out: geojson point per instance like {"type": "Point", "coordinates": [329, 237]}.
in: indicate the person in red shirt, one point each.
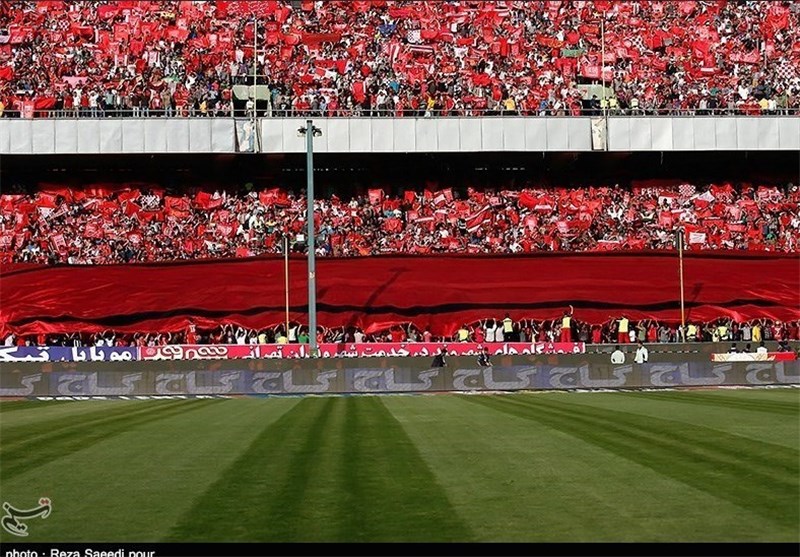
{"type": "Point", "coordinates": [794, 330]}
{"type": "Point", "coordinates": [68, 106]}
{"type": "Point", "coordinates": [652, 332]}
{"type": "Point", "coordinates": [84, 103]}
{"type": "Point", "coordinates": [191, 333]}
{"type": "Point", "coordinates": [426, 336]}
{"type": "Point", "coordinates": [397, 334]}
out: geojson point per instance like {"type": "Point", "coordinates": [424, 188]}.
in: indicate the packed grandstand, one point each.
{"type": "Point", "coordinates": [123, 223]}
{"type": "Point", "coordinates": [398, 58]}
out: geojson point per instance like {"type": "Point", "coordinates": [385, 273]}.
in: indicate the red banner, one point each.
{"type": "Point", "coordinates": [440, 292]}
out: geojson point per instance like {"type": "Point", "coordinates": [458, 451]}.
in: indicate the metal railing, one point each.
{"type": "Point", "coordinates": [97, 113]}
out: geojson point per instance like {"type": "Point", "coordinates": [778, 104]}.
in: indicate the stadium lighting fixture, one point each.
{"type": "Point", "coordinates": [312, 272]}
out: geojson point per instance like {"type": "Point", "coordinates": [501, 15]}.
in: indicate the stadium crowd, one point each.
{"type": "Point", "coordinates": [399, 58]}
{"type": "Point", "coordinates": [141, 223]}
{"type": "Point", "coordinates": [619, 330]}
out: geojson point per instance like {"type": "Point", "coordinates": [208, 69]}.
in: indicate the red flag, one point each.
{"type": "Point", "coordinates": [225, 230]}
{"type": "Point", "coordinates": [527, 200]}
{"type": "Point", "coordinates": [443, 196]}
{"type": "Point", "coordinates": [477, 219]}
{"type": "Point", "coordinates": [177, 206]}
{"type": "Point", "coordinates": [59, 243]}
{"type": "Point", "coordinates": [93, 230]}
{"type": "Point", "coordinates": [375, 196]}
{"type": "Point", "coordinates": [46, 200]}
{"type": "Point", "coordinates": [274, 196]}
{"type": "Point", "coordinates": [392, 225]}
{"type": "Point", "coordinates": [131, 209]}
{"type": "Point", "coordinates": [205, 200]}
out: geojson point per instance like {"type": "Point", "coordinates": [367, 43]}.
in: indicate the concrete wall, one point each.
{"type": "Point", "coordinates": [387, 135]}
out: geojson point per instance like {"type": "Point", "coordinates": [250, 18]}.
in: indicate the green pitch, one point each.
{"type": "Point", "coordinates": [665, 466]}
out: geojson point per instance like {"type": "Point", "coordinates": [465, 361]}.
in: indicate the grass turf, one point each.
{"type": "Point", "coordinates": [650, 466]}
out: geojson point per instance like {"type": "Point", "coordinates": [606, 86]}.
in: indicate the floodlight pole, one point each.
{"type": "Point", "coordinates": [680, 258]}
{"type": "Point", "coordinates": [286, 277]}
{"type": "Point", "coordinates": [310, 131]}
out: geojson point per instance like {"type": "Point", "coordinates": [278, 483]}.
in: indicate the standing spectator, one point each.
{"type": "Point", "coordinates": [483, 359]}
{"type": "Point", "coordinates": [622, 330]}
{"type": "Point", "coordinates": [566, 325]}
{"type": "Point", "coordinates": [439, 360]}
{"type": "Point", "coordinates": [642, 354]}
{"type": "Point", "coordinates": [508, 329]}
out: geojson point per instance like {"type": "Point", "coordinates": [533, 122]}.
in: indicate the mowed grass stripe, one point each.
{"type": "Point", "coordinates": [8, 406]}
{"type": "Point", "coordinates": [766, 427]}
{"type": "Point", "coordinates": [299, 481]}
{"type": "Point", "coordinates": [30, 415]}
{"type": "Point", "coordinates": [22, 454]}
{"type": "Point", "coordinates": [714, 399]}
{"type": "Point", "coordinates": [759, 477]}
{"type": "Point", "coordinates": [135, 486]}
{"type": "Point", "coordinates": [240, 505]}
{"type": "Point", "coordinates": [396, 496]}
{"type": "Point", "coordinates": [783, 461]}
{"type": "Point", "coordinates": [514, 479]}
{"type": "Point", "coordinates": [17, 429]}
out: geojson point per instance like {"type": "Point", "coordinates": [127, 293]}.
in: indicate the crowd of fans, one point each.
{"type": "Point", "coordinates": [115, 224]}
{"type": "Point", "coordinates": [564, 329]}
{"type": "Point", "coordinates": [343, 58]}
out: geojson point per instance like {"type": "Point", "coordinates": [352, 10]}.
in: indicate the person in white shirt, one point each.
{"type": "Point", "coordinates": [358, 336]}
{"type": "Point", "coordinates": [241, 335]}
{"type": "Point", "coordinates": [642, 354]}
{"type": "Point", "coordinates": [490, 331]}
{"type": "Point", "coordinates": [761, 348]}
{"type": "Point", "coordinates": [10, 340]}
{"type": "Point", "coordinates": [617, 356]}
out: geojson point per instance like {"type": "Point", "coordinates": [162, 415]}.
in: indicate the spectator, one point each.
{"type": "Point", "coordinates": [566, 325]}
{"type": "Point", "coordinates": [642, 355]}
{"type": "Point", "coordinates": [622, 330]}
{"type": "Point", "coordinates": [617, 356]}
{"type": "Point", "coordinates": [439, 360]}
